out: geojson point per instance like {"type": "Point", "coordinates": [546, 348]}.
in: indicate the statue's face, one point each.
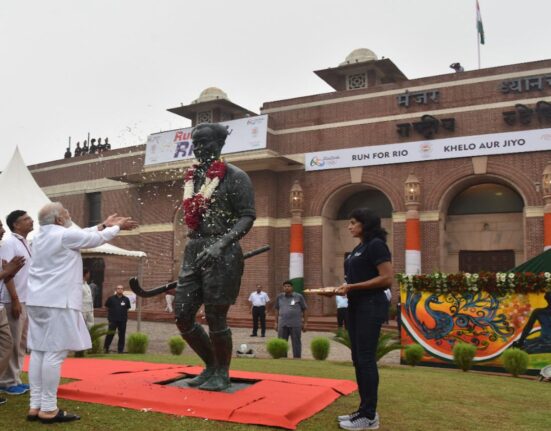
{"type": "Point", "coordinates": [205, 146]}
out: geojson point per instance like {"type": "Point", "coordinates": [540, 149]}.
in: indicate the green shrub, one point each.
{"type": "Point", "coordinates": [137, 343]}
{"type": "Point", "coordinates": [413, 354]}
{"type": "Point", "coordinates": [515, 361]}
{"type": "Point", "coordinates": [320, 348]}
{"type": "Point", "coordinates": [277, 348]}
{"type": "Point", "coordinates": [176, 345]}
{"type": "Point", "coordinates": [342, 337]}
{"type": "Point", "coordinates": [97, 332]}
{"type": "Point", "coordinates": [386, 343]}
{"type": "Point", "coordinates": [463, 355]}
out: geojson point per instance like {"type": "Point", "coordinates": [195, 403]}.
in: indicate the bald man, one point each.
{"type": "Point", "coordinates": [54, 302]}
{"type": "Point", "coordinates": [117, 314]}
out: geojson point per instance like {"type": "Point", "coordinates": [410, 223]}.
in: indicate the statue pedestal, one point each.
{"type": "Point", "coordinates": [236, 385]}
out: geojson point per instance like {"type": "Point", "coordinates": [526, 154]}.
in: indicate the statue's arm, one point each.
{"type": "Point", "coordinates": [242, 200]}
{"type": "Point", "coordinates": [238, 231]}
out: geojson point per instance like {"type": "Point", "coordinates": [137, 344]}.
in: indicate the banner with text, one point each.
{"type": "Point", "coordinates": [464, 146]}
{"type": "Point", "coordinates": [246, 134]}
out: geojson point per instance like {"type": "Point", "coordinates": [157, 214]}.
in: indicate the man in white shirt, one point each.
{"type": "Point", "coordinates": [14, 298]}
{"type": "Point", "coordinates": [258, 300]}
{"type": "Point", "coordinates": [87, 300]}
{"type": "Point", "coordinates": [56, 325]}
{"type": "Point", "coordinates": [7, 271]}
{"type": "Point", "coordinates": [342, 311]}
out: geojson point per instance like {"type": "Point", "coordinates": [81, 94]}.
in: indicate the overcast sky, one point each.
{"type": "Point", "coordinates": [113, 67]}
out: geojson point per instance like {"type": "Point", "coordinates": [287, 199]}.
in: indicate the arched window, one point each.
{"type": "Point", "coordinates": [372, 199]}
{"type": "Point", "coordinates": [486, 198]}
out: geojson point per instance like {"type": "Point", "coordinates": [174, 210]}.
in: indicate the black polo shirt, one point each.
{"type": "Point", "coordinates": [117, 308]}
{"type": "Point", "coordinates": [361, 265]}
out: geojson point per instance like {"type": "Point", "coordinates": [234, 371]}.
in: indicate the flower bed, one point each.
{"type": "Point", "coordinates": [497, 283]}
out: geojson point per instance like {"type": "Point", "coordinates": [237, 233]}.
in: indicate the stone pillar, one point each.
{"type": "Point", "coordinates": [296, 259]}
{"type": "Point", "coordinates": [413, 226]}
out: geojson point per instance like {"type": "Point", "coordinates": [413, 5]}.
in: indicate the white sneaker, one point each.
{"type": "Point", "coordinates": [348, 417]}
{"type": "Point", "coordinates": [359, 423]}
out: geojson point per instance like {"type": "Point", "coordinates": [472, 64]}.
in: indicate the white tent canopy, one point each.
{"type": "Point", "coordinates": [20, 191]}
{"type": "Point", "coordinates": [112, 249]}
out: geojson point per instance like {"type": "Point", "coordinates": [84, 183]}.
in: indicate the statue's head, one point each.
{"type": "Point", "coordinates": [208, 140]}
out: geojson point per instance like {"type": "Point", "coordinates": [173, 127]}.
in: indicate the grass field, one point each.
{"type": "Point", "coordinates": [410, 399]}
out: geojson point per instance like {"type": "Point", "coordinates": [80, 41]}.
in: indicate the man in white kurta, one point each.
{"type": "Point", "coordinates": [87, 300]}
{"type": "Point", "coordinates": [54, 302]}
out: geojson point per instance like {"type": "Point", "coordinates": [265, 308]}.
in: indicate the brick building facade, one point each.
{"type": "Point", "coordinates": [367, 108]}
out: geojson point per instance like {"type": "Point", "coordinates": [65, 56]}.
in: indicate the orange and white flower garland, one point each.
{"type": "Point", "coordinates": [196, 204]}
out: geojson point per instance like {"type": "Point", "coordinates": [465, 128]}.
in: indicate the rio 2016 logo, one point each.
{"type": "Point", "coordinates": [316, 161]}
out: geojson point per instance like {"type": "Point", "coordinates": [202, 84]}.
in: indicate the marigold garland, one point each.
{"type": "Point", "coordinates": [196, 204]}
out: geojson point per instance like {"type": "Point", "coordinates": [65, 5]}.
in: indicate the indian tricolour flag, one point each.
{"type": "Point", "coordinates": [479, 25]}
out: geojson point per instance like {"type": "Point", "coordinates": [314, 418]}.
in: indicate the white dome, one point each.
{"type": "Point", "coordinates": [359, 56]}
{"type": "Point", "coordinates": [211, 93]}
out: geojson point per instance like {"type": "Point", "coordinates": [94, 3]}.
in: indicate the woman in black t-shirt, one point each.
{"type": "Point", "coordinates": [368, 273]}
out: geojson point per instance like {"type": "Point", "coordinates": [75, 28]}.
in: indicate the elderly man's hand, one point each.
{"type": "Point", "coordinates": [126, 223]}
{"type": "Point", "coordinates": [111, 220]}
{"type": "Point", "coordinates": [13, 265]}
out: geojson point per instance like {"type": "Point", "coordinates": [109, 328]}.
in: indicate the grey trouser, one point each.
{"type": "Point", "coordinates": [6, 344]}
{"type": "Point", "coordinates": [18, 328]}
{"type": "Point", "coordinates": [295, 332]}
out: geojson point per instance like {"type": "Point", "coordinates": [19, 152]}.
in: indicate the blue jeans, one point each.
{"type": "Point", "coordinates": [365, 317]}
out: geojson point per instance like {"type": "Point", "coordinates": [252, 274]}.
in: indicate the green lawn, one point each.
{"type": "Point", "coordinates": [539, 360]}
{"type": "Point", "coordinates": [410, 399]}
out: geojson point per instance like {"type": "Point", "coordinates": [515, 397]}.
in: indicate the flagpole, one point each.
{"type": "Point", "coordinates": [478, 47]}
{"type": "Point", "coordinates": [477, 33]}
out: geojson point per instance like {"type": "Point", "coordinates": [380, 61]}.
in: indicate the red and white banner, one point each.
{"type": "Point", "coordinates": [246, 134]}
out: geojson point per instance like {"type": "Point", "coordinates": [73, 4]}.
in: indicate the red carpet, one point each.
{"type": "Point", "coordinates": [275, 400]}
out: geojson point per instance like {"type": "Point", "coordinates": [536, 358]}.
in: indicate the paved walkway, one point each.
{"type": "Point", "coordinates": [160, 332]}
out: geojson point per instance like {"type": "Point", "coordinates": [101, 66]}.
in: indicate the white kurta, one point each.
{"type": "Point", "coordinates": [55, 287]}
{"type": "Point", "coordinates": [87, 299]}
{"type": "Point", "coordinates": [57, 329]}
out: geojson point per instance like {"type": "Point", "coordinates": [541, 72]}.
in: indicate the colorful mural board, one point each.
{"type": "Point", "coordinates": [489, 322]}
